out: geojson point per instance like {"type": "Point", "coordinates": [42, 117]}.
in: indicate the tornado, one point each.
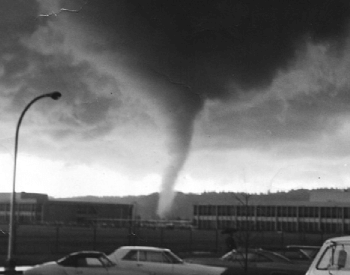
{"type": "Point", "coordinates": [180, 131]}
{"type": "Point", "coordinates": [212, 50]}
{"type": "Point", "coordinates": [178, 158]}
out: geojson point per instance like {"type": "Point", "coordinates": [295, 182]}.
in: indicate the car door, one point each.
{"type": "Point", "coordinates": [131, 260]}
{"type": "Point", "coordinates": [150, 261]}
{"type": "Point", "coordinates": [154, 263]}
{"type": "Point", "coordinates": [178, 267]}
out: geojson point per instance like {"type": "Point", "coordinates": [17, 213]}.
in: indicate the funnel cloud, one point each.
{"type": "Point", "coordinates": [218, 50]}
{"type": "Point", "coordinates": [260, 66]}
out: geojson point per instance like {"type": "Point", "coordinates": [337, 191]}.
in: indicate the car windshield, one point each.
{"type": "Point", "coordinates": [67, 261]}
{"type": "Point", "coordinates": [301, 252]}
{"type": "Point", "coordinates": [335, 257]}
{"type": "Point", "coordinates": [277, 257]}
{"type": "Point", "coordinates": [106, 262]}
{"type": "Point", "coordinates": [310, 252]}
{"type": "Point", "coordinates": [85, 260]}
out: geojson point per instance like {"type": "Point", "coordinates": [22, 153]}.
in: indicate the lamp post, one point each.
{"type": "Point", "coordinates": [10, 262]}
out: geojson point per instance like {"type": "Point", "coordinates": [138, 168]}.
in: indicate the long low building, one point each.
{"type": "Point", "coordinates": [326, 211]}
{"type": "Point", "coordinates": [39, 208]}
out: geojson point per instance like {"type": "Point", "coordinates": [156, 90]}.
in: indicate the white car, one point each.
{"type": "Point", "coordinates": [82, 263]}
{"type": "Point", "coordinates": [158, 261]}
{"type": "Point", "coordinates": [333, 258]}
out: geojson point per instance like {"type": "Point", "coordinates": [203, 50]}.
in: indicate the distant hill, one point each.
{"type": "Point", "coordinates": [146, 206]}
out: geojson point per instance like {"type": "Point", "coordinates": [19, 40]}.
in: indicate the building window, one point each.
{"type": "Point", "coordinates": [195, 210]}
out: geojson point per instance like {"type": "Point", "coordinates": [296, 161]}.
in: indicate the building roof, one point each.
{"type": "Point", "coordinates": [286, 203]}
{"type": "Point", "coordinates": [24, 197]}
{"type": "Point", "coordinates": [62, 201]}
{"type": "Point", "coordinates": [317, 198]}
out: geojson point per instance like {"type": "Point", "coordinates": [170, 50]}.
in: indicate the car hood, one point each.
{"type": "Point", "coordinates": [48, 268]}
{"type": "Point", "coordinates": [47, 264]}
{"type": "Point", "coordinates": [206, 261]}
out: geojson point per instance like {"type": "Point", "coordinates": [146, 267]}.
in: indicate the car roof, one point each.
{"type": "Point", "coordinates": [345, 239]}
{"type": "Point", "coordinates": [87, 253]}
{"type": "Point", "coordinates": [303, 246]}
{"type": "Point", "coordinates": [251, 250]}
{"type": "Point", "coordinates": [151, 248]}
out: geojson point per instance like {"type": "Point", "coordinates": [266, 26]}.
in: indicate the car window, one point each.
{"type": "Point", "coordinates": [81, 262]}
{"type": "Point", "coordinates": [166, 258]}
{"type": "Point", "coordinates": [236, 256]}
{"type": "Point", "coordinates": [329, 259]}
{"type": "Point", "coordinates": [311, 253]}
{"type": "Point", "coordinates": [230, 256]}
{"type": "Point", "coordinates": [251, 256]}
{"type": "Point", "coordinates": [89, 262]}
{"type": "Point", "coordinates": [261, 258]}
{"type": "Point", "coordinates": [142, 256]}
{"type": "Point", "coordinates": [154, 256]}
{"type": "Point", "coordinates": [172, 258]}
{"type": "Point", "coordinates": [275, 257]}
{"type": "Point", "coordinates": [68, 261]}
{"type": "Point", "coordinates": [296, 255]}
{"type": "Point", "coordinates": [242, 256]}
{"type": "Point", "coordinates": [93, 262]}
{"type": "Point", "coordinates": [131, 256]}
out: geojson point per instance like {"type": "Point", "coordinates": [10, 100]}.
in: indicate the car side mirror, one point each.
{"type": "Point", "coordinates": [342, 257]}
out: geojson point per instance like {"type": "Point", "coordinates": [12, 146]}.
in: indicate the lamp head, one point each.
{"type": "Point", "coordinates": [55, 95]}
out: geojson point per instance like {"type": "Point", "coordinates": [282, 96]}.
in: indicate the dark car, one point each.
{"type": "Point", "coordinates": [255, 262]}
{"type": "Point", "coordinates": [82, 262]}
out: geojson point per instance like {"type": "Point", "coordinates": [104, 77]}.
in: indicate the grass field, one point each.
{"type": "Point", "coordinates": [37, 243]}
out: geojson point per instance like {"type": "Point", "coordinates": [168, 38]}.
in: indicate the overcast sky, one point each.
{"type": "Point", "coordinates": [183, 95]}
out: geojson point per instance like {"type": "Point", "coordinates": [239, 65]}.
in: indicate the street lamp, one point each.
{"type": "Point", "coordinates": [10, 264]}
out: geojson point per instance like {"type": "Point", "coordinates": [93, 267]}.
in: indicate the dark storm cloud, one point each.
{"type": "Point", "coordinates": [28, 71]}
{"type": "Point", "coordinates": [17, 20]}
{"type": "Point", "coordinates": [261, 125]}
{"type": "Point", "coordinates": [80, 83]}
{"type": "Point", "coordinates": [190, 52]}
{"type": "Point", "coordinates": [214, 50]}
{"type": "Point", "coordinates": [201, 48]}
{"type": "Point", "coordinates": [205, 44]}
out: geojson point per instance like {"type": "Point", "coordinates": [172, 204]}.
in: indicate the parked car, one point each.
{"type": "Point", "coordinates": [333, 258]}
{"type": "Point", "coordinates": [158, 261]}
{"type": "Point", "coordinates": [255, 261]}
{"type": "Point", "coordinates": [83, 263]}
